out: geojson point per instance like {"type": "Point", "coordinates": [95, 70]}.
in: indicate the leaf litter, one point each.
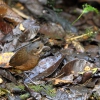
{"type": "Point", "coordinates": [68, 64]}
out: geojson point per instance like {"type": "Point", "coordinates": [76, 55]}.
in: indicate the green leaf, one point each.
{"type": "Point", "coordinates": [87, 8]}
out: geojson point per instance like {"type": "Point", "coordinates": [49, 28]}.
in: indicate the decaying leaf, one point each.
{"type": "Point", "coordinates": [60, 81]}
{"type": "Point", "coordinates": [5, 27]}
{"type": "Point", "coordinates": [5, 58]}
{"type": "Point", "coordinates": [92, 50]}
{"type": "Point", "coordinates": [26, 30]}
{"type": "Point", "coordinates": [7, 13]}
{"type": "Point", "coordinates": [52, 30]}
{"type": "Point", "coordinates": [7, 75]}
{"type": "Point", "coordinates": [64, 80]}
{"type": "Point", "coordinates": [77, 75]}
{"type": "Point", "coordinates": [49, 71]}
{"type": "Point", "coordinates": [76, 67]}
{"type": "Point", "coordinates": [34, 6]}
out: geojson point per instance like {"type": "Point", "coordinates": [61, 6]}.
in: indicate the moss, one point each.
{"type": "Point", "coordinates": [47, 89]}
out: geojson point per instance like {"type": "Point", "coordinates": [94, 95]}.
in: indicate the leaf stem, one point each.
{"type": "Point", "coordinates": [78, 18]}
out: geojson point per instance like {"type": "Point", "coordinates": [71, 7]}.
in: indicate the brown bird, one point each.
{"type": "Point", "coordinates": [27, 57]}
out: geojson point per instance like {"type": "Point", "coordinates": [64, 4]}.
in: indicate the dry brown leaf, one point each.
{"type": "Point", "coordinates": [61, 81]}
{"type": "Point", "coordinates": [7, 13]}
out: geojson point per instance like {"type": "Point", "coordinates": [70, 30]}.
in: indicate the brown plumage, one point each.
{"type": "Point", "coordinates": [27, 57]}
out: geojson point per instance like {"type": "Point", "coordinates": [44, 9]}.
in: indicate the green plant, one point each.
{"type": "Point", "coordinates": [47, 89]}
{"type": "Point", "coordinates": [86, 8]}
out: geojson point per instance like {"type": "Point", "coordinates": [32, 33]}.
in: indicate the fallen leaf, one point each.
{"type": "Point", "coordinates": [49, 71]}
{"type": "Point", "coordinates": [7, 13]}
{"type": "Point", "coordinates": [5, 58]}
{"type": "Point", "coordinates": [6, 74]}
{"type": "Point", "coordinates": [77, 67]}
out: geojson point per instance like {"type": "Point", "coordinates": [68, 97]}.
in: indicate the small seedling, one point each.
{"type": "Point", "coordinates": [86, 8]}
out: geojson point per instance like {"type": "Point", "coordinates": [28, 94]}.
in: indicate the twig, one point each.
{"type": "Point", "coordinates": [20, 13]}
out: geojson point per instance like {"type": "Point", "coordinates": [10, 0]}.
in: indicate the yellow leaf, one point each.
{"type": "Point", "coordinates": [4, 59]}
{"type": "Point", "coordinates": [94, 70]}
{"type": "Point", "coordinates": [87, 68]}
{"type": "Point", "coordinates": [21, 27]}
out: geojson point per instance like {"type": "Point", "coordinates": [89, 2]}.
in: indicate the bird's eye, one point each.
{"type": "Point", "coordinates": [37, 47]}
{"type": "Point", "coordinates": [46, 12]}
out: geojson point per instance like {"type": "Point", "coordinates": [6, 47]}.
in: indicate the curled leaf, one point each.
{"type": "Point", "coordinates": [7, 13]}
{"type": "Point", "coordinates": [49, 71]}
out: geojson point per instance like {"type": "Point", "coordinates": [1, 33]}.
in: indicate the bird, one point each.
{"type": "Point", "coordinates": [27, 57]}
